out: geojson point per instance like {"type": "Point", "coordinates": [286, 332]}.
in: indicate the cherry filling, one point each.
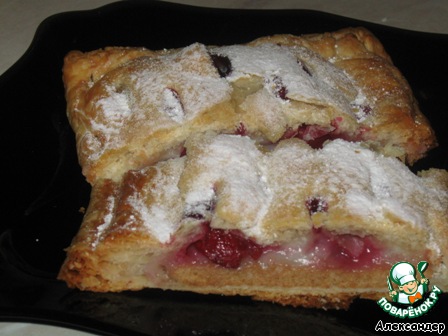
{"type": "Point", "coordinates": [227, 248]}
{"type": "Point", "coordinates": [279, 88]}
{"type": "Point", "coordinates": [316, 204]}
{"type": "Point", "coordinates": [343, 250]}
{"type": "Point", "coordinates": [316, 135]}
{"type": "Point", "coordinates": [323, 249]}
{"type": "Point", "coordinates": [241, 129]}
{"type": "Point", "coordinates": [183, 151]}
{"type": "Point", "coordinates": [363, 111]}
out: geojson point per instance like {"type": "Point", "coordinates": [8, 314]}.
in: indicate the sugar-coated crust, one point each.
{"type": "Point", "coordinates": [136, 230]}
{"type": "Point", "coordinates": [363, 56]}
{"type": "Point", "coordinates": [119, 126]}
{"type": "Point", "coordinates": [282, 149]}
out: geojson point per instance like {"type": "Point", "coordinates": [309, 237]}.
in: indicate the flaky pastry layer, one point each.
{"type": "Point", "coordinates": [281, 223]}
{"type": "Point", "coordinates": [132, 107]}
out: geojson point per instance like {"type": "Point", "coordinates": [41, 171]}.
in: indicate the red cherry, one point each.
{"type": "Point", "coordinates": [351, 245]}
{"type": "Point", "coordinates": [279, 88]}
{"type": "Point", "coordinates": [241, 129]}
{"type": "Point", "coordinates": [202, 210]}
{"type": "Point", "coordinates": [222, 64]}
{"type": "Point", "coordinates": [183, 151]}
{"type": "Point", "coordinates": [227, 247]}
{"type": "Point", "coordinates": [343, 250]}
{"type": "Point", "coordinates": [316, 204]}
{"type": "Point", "coordinates": [365, 110]}
{"type": "Point", "coordinates": [316, 135]}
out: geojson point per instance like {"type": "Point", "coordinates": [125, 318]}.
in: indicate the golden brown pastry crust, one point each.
{"type": "Point", "coordinates": [178, 142]}
{"type": "Point", "coordinates": [136, 230]}
{"type": "Point", "coordinates": [351, 64]}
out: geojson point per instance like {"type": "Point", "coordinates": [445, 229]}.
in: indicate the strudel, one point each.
{"type": "Point", "coordinates": [133, 107]}
{"type": "Point", "coordinates": [288, 223]}
{"type": "Point", "coordinates": [275, 169]}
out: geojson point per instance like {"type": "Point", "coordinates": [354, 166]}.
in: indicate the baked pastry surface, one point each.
{"type": "Point", "coordinates": [132, 107]}
{"type": "Point", "coordinates": [274, 169]}
{"type": "Point", "coordinates": [290, 224]}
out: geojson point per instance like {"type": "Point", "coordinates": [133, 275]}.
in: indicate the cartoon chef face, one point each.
{"type": "Point", "coordinates": [403, 274]}
{"type": "Point", "coordinates": [409, 288]}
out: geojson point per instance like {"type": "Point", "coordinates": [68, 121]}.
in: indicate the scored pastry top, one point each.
{"type": "Point", "coordinates": [272, 195]}
{"type": "Point", "coordinates": [132, 107]}
{"type": "Point", "coordinates": [275, 169]}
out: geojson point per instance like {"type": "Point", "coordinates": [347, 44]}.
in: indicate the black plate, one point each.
{"type": "Point", "coordinates": [44, 188]}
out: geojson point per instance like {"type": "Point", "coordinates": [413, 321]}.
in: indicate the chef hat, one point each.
{"type": "Point", "coordinates": [402, 273]}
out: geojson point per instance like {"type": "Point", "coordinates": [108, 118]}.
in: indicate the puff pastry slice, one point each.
{"type": "Point", "coordinates": [287, 223]}
{"type": "Point", "coordinates": [132, 107]}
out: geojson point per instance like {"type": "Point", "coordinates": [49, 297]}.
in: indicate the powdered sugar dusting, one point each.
{"type": "Point", "coordinates": [323, 84]}
{"type": "Point", "coordinates": [190, 74]}
{"type": "Point", "coordinates": [240, 186]}
{"type": "Point", "coordinates": [343, 175]}
{"type": "Point", "coordinates": [385, 184]}
{"type": "Point", "coordinates": [114, 109]}
{"type": "Point", "coordinates": [176, 87]}
{"type": "Point", "coordinates": [362, 107]}
{"type": "Point", "coordinates": [101, 229]}
{"type": "Point", "coordinates": [159, 207]}
{"type": "Point", "coordinates": [172, 105]}
{"type": "Point", "coordinates": [228, 176]}
{"type": "Point", "coordinates": [229, 168]}
{"type": "Point", "coordinates": [158, 92]}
